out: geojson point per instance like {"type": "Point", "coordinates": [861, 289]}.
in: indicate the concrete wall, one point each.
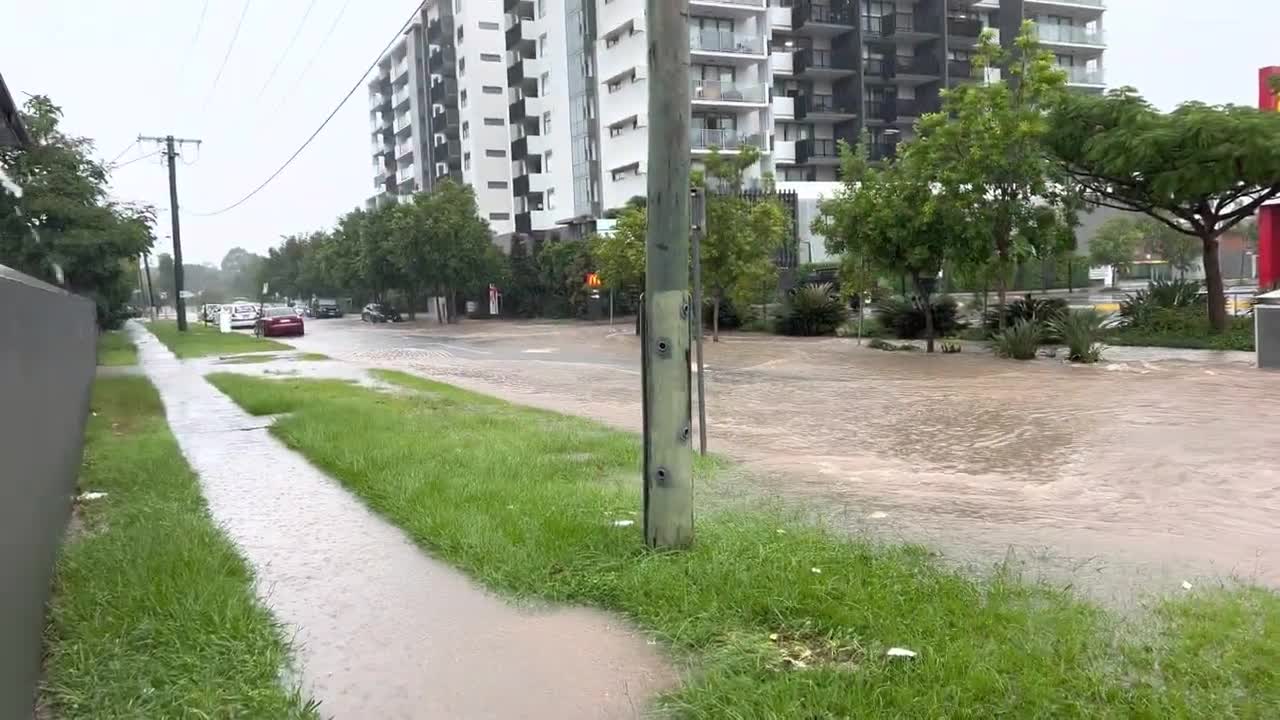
{"type": "Point", "coordinates": [47, 359]}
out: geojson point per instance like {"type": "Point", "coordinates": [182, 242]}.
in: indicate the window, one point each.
{"type": "Point", "coordinates": [492, 90]}
{"type": "Point", "coordinates": [795, 131]}
{"type": "Point", "coordinates": [497, 184]}
{"type": "Point", "coordinates": [546, 123]}
{"type": "Point", "coordinates": [711, 23]}
{"type": "Point", "coordinates": [466, 130]}
{"type": "Point", "coordinates": [542, 45]}
{"type": "Point", "coordinates": [546, 161]}
{"type": "Point", "coordinates": [611, 40]}
{"type": "Point", "coordinates": [499, 216]}
{"type": "Point", "coordinates": [494, 122]}
{"type": "Point", "coordinates": [462, 66]}
{"type": "Point", "coordinates": [490, 26]}
{"type": "Point", "coordinates": [462, 98]}
{"type": "Point", "coordinates": [542, 8]}
{"type": "Point", "coordinates": [495, 153]}
{"type": "Point", "coordinates": [543, 82]}
{"type": "Point", "coordinates": [466, 161]}
{"type": "Point", "coordinates": [490, 57]}
{"type": "Point", "coordinates": [549, 199]}
{"type": "Point", "coordinates": [459, 33]}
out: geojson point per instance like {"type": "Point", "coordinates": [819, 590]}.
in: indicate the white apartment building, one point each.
{"type": "Point", "coordinates": [541, 105]}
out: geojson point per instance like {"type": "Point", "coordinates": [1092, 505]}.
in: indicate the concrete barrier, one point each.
{"type": "Point", "coordinates": [47, 358]}
{"type": "Point", "coordinates": [1266, 333]}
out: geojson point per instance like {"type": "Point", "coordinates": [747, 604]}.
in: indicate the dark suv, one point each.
{"type": "Point", "coordinates": [379, 312]}
{"type": "Point", "coordinates": [325, 308]}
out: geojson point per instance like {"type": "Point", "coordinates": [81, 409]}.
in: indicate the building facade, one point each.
{"type": "Point", "coordinates": [541, 105]}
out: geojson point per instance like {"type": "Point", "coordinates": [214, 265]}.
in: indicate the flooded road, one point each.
{"type": "Point", "coordinates": [1123, 478]}
{"type": "Point", "coordinates": [381, 629]}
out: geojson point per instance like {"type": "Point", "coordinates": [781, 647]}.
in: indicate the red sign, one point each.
{"type": "Point", "coordinates": [1268, 215]}
{"type": "Point", "coordinates": [593, 280]}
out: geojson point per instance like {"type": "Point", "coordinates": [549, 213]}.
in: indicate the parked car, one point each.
{"type": "Point", "coordinates": [243, 315]}
{"type": "Point", "coordinates": [278, 321]}
{"type": "Point", "coordinates": [325, 308]}
{"type": "Point", "coordinates": [297, 310]}
{"type": "Point", "coordinates": [379, 312]}
{"type": "Point", "coordinates": [209, 313]}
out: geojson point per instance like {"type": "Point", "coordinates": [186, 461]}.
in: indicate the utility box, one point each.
{"type": "Point", "coordinates": [1266, 330]}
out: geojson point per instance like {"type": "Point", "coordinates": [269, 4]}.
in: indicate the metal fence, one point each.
{"type": "Point", "coordinates": [47, 348]}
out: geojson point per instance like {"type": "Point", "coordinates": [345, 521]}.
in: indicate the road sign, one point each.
{"type": "Point", "coordinates": [593, 280]}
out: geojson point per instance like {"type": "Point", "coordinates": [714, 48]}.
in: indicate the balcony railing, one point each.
{"type": "Point", "coordinates": [401, 96]}
{"type": "Point", "coordinates": [725, 41]}
{"type": "Point", "coordinates": [1071, 34]}
{"type": "Point", "coordinates": [404, 148]}
{"type": "Point", "coordinates": [968, 27]}
{"type": "Point", "coordinates": [877, 68]}
{"type": "Point", "coordinates": [1083, 76]}
{"type": "Point", "coordinates": [377, 100]}
{"type": "Point", "coordinates": [443, 61]}
{"type": "Point", "coordinates": [899, 23]}
{"type": "Point", "coordinates": [882, 151]}
{"type": "Point", "coordinates": [812, 104]}
{"type": "Point", "coordinates": [811, 59]}
{"type": "Point", "coordinates": [722, 91]}
{"type": "Point", "coordinates": [402, 122]}
{"type": "Point", "coordinates": [804, 12]}
{"type": "Point", "coordinates": [748, 3]}
{"type": "Point", "coordinates": [810, 149]}
{"type": "Point", "coordinates": [723, 138]}
{"type": "Point", "coordinates": [916, 65]}
{"type": "Point", "coordinates": [1090, 3]}
{"type": "Point", "coordinates": [443, 91]}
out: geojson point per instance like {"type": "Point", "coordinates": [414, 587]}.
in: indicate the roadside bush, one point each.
{"type": "Point", "coordinates": [1019, 341]}
{"type": "Point", "coordinates": [1037, 310]}
{"type": "Point", "coordinates": [812, 310]}
{"type": "Point", "coordinates": [1081, 330]}
{"type": "Point", "coordinates": [905, 318]}
{"type": "Point", "coordinates": [1185, 327]}
{"type": "Point", "coordinates": [1138, 308]}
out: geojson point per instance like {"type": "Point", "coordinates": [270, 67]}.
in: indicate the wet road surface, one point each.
{"type": "Point", "coordinates": [382, 630]}
{"type": "Point", "coordinates": [1122, 478]}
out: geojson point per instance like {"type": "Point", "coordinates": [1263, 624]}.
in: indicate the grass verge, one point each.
{"type": "Point", "coordinates": [153, 615]}
{"type": "Point", "coordinates": [115, 348]}
{"type": "Point", "coordinates": [1236, 337]}
{"type": "Point", "coordinates": [779, 619]}
{"type": "Point", "coordinates": [200, 340]}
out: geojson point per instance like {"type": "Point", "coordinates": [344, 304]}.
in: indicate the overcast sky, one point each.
{"type": "Point", "coordinates": [120, 68]}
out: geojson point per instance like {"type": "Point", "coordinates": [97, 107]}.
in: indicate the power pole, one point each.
{"type": "Point", "coordinates": [171, 154]}
{"type": "Point", "coordinates": [698, 198]}
{"type": "Point", "coordinates": [668, 455]}
{"type": "Point", "coordinates": [151, 291]}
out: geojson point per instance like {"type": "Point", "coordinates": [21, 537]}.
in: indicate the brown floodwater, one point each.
{"type": "Point", "coordinates": [1123, 478]}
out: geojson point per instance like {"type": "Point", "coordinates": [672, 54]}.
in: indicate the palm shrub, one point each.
{"type": "Point", "coordinates": [1081, 330]}
{"type": "Point", "coordinates": [905, 318]}
{"type": "Point", "coordinates": [1019, 341]}
{"type": "Point", "coordinates": [1038, 310]}
{"type": "Point", "coordinates": [1138, 309]}
{"type": "Point", "coordinates": [812, 310]}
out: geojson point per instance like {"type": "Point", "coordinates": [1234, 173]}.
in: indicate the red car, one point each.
{"type": "Point", "coordinates": [278, 321]}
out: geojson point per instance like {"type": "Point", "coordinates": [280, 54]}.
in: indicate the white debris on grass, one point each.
{"type": "Point", "coordinates": [900, 652]}
{"type": "Point", "coordinates": [1186, 585]}
{"type": "Point", "coordinates": [623, 523]}
{"type": "Point", "coordinates": [91, 496]}
{"type": "Point", "coordinates": [816, 571]}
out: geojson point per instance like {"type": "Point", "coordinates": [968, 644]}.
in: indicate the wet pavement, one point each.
{"type": "Point", "coordinates": [382, 630]}
{"type": "Point", "coordinates": [1124, 478]}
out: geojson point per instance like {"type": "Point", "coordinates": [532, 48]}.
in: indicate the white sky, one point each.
{"type": "Point", "coordinates": [120, 68]}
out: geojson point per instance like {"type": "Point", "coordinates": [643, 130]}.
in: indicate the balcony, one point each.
{"type": "Point", "coordinates": [877, 70]}
{"type": "Point", "coordinates": [444, 92]}
{"type": "Point", "coordinates": [449, 152]}
{"type": "Point", "coordinates": [882, 152]}
{"type": "Point", "coordinates": [400, 70]}
{"type": "Point", "coordinates": [524, 222]}
{"type": "Point", "coordinates": [725, 41]}
{"type": "Point", "coordinates": [446, 122]}
{"type": "Point", "coordinates": [443, 61]}
{"type": "Point", "coordinates": [783, 63]}
{"type": "Point", "coordinates": [959, 71]}
{"type": "Point", "coordinates": [522, 35]}
{"type": "Point", "coordinates": [893, 110]}
{"type": "Point", "coordinates": [517, 111]}
{"type": "Point", "coordinates": [755, 4]}
{"type": "Point", "coordinates": [404, 149]}
{"type": "Point", "coordinates": [440, 30]}
{"type": "Point", "coordinates": [400, 99]}
{"type": "Point", "coordinates": [784, 107]}
{"type": "Point", "coordinates": [916, 70]}
{"type": "Point", "coordinates": [817, 151]}
{"type": "Point", "coordinates": [823, 63]}
{"type": "Point", "coordinates": [1084, 76]}
{"type": "Point", "coordinates": [402, 123]}
{"type": "Point", "coordinates": [730, 93]}
{"type": "Point", "coordinates": [704, 139]}
{"type": "Point", "coordinates": [522, 8]}
{"type": "Point", "coordinates": [377, 101]}
{"type": "Point", "coordinates": [819, 18]}
{"type": "Point", "coordinates": [1070, 35]}
{"type": "Point", "coordinates": [964, 30]}
{"type": "Point", "coordinates": [905, 27]}
{"type": "Point", "coordinates": [813, 106]}
{"type": "Point", "coordinates": [784, 152]}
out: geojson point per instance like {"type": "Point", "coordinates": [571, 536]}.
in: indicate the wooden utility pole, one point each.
{"type": "Point", "coordinates": [171, 154]}
{"type": "Point", "coordinates": [698, 199]}
{"type": "Point", "coordinates": [668, 456]}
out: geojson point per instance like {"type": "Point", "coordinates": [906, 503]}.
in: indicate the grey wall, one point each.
{"type": "Point", "coordinates": [47, 359]}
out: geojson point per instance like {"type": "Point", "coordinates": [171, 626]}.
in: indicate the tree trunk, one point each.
{"type": "Point", "coordinates": [1213, 283]}
{"type": "Point", "coordinates": [715, 319]}
{"type": "Point", "coordinates": [928, 313]}
{"type": "Point", "coordinates": [1002, 283]}
{"type": "Point", "coordinates": [411, 293]}
{"type": "Point", "coordinates": [451, 306]}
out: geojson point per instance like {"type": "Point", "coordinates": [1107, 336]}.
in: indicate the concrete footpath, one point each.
{"type": "Point", "coordinates": [381, 629]}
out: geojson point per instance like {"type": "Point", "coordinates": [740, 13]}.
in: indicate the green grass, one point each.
{"type": "Point", "coordinates": [313, 357]}
{"type": "Point", "coordinates": [1236, 337]}
{"type": "Point", "coordinates": [523, 500]}
{"type": "Point", "coordinates": [252, 359]}
{"type": "Point", "coordinates": [153, 615]}
{"type": "Point", "coordinates": [115, 348]}
{"type": "Point", "coordinates": [200, 341]}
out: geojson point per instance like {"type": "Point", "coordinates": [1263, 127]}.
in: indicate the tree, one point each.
{"type": "Point", "coordinates": [986, 149]}
{"type": "Point", "coordinates": [62, 228]}
{"type": "Point", "coordinates": [1116, 243]}
{"type": "Point", "coordinates": [897, 221]}
{"type": "Point", "coordinates": [742, 235]}
{"type": "Point", "coordinates": [620, 253]}
{"type": "Point", "coordinates": [1177, 249]}
{"type": "Point", "coordinates": [1199, 170]}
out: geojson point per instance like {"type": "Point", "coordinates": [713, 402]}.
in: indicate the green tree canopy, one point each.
{"type": "Point", "coordinates": [1116, 243]}
{"type": "Point", "coordinates": [1200, 170]}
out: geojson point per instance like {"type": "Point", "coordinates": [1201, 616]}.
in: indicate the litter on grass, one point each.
{"type": "Point", "coordinates": [900, 652]}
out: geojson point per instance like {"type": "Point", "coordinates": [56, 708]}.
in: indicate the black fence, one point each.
{"type": "Point", "coordinates": [47, 348]}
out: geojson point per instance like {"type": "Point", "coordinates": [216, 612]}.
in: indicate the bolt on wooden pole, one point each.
{"type": "Point", "coordinates": [668, 455]}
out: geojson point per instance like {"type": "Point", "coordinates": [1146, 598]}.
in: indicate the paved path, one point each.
{"type": "Point", "coordinates": [381, 629]}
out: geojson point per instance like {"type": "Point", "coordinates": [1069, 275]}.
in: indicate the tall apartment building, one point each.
{"type": "Point", "coordinates": [541, 105]}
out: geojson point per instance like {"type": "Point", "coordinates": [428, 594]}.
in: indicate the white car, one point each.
{"type": "Point", "coordinates": [242, 315]}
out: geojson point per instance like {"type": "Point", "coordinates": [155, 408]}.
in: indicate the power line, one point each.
{"type": "Point", "coordinates": [230, 47]}
{"type": "Point", "coordinates": [328, 34]}
{"type": "Point", "coordinates": [200, 23]}
{"type": "Point", "coordinates": [127, 163]}
{"type": "Point", "coordinates": [310, 6]}
{"type": "Point", "coordinates": [359, 82]}
{"type": "Point", "coordinates": [126, 149]}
